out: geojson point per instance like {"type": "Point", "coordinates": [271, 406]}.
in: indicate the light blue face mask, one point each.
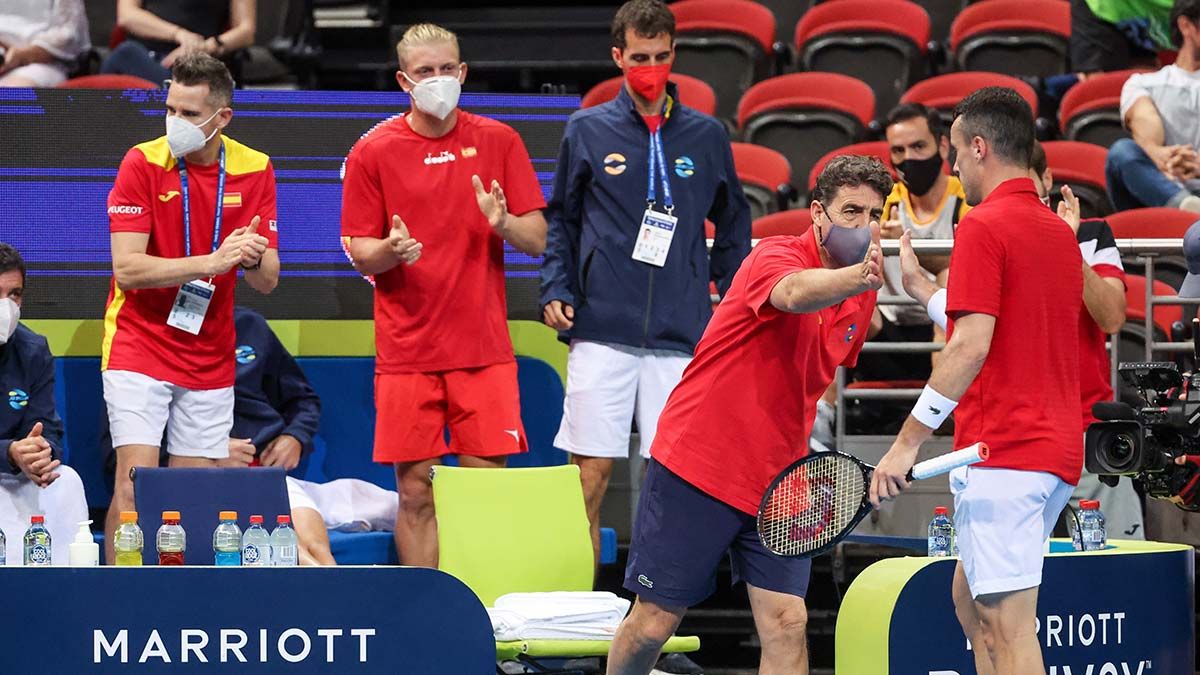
{"type": "Point", "coordinates": [846, 245]}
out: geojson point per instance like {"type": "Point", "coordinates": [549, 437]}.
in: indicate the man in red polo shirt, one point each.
{"type": "Point", "coordinates": [797, 309]}
{"type": "Point", "coordinates": [1011, 367]}
{"type": "Point", "coordinates": [422, 223]}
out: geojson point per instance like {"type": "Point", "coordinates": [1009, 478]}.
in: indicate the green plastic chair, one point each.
{"type": "Point", "coordinates": [520, 531]}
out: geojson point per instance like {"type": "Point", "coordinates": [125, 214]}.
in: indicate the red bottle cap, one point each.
{"type": "Point", "coordinates": [284, 520]}
{"type": "Point", "coordinates": [940, 511]}
{"type": "Point", "coordinates": [37, 520]}
{"type": "Point", "coordinates": [256, 520]}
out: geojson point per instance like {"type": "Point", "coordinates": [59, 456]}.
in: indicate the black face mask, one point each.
{"type": "Point", "coordinates": [920, 174]}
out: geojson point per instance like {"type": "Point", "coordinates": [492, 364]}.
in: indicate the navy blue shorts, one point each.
{"type": "Point", "coordinates": [679, 537]}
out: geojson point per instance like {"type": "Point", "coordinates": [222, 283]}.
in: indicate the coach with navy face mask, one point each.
{"type": "Point", "coordinates": [626, 274]}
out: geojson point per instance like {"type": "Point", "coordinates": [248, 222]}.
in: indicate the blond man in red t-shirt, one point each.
{"type": "Point", "coordinates": [426, 216]}
{"type": "Point", "coordinates": [1010, 372]}
{"type": "Point", "coordinates": [186, 211]}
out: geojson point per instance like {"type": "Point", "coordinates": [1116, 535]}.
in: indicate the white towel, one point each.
{"type": "Point", "coordinates": [562, 615]}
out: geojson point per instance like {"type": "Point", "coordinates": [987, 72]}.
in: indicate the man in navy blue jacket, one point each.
{"type": "Point", "coordinates": [626, 273]}
{"type": "Point", "coordinates": [34, 481]}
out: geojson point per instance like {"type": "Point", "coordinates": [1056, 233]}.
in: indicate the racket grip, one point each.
{"type": "Point", "coordinates": [948, 462]}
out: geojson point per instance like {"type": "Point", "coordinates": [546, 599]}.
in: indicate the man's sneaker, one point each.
{"type": "Point", "coordinates": [676, 664]}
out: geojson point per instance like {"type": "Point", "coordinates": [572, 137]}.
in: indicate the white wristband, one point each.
{"type": "Point", "coordinates": [937, 308]}
{"type": "Point", "coordinates": [932, 408]}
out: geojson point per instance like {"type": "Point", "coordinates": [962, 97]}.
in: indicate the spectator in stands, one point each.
{"type": "Point", "coordinates": [40, 42]}
{"type": "Point", "coordinates": [158, 32]}
{"type": "Point", "coordinates": [1109, 35]}
{"type": "Point", "coordinates": [187, 210]}
{"type": "Point", "coordinates": [1160, 166]}
{"type": "Point", "coordinates": [443, 353]}
{"type": "Point", "coordinates": [1104, 305]}
{"type": "Point", "coordinates": [796, 310]}
{"type": "Point", "coordinates": [928, 202]}
{"type": "Point", "coordinates": [632, 313]}
{"type": "Point", "coordinates": [36, 481]}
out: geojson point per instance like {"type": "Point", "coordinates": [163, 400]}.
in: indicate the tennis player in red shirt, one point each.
{"type": "Point", "coordinates": [421, 221]}
{"type": "Point", "coordinates": [1010, 370]}
{"type": "Point", "coordinates": [185, 212]}
{"type": "Point", "coordinates": [797, 309]}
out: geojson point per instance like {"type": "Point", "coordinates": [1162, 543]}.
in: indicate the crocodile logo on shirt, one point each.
{"type": "Point", "coordinates": [17, 399]}
{"type": "Point", "coordinates": [245, 354]}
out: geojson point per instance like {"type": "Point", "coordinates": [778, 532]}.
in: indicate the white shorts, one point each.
{"type": "Point", "coordinates": [63, 503]}
{"type": "Point", "coordinates": [41, 74]}
{"type": "Point", "coordinates": [606, 384]}
{"type": "Point", "coordinates": [198, 421]}
{"type": "Point", "coordinates": [346, 504]}
{"type": "Point", "coordinates": [1003, 519]}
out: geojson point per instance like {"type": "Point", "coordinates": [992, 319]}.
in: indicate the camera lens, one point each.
{"type": "Point", "coordinates": [1121, 453]}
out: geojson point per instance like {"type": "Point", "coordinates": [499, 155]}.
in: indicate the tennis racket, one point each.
{"type": "Point", "coordinates": [816, 502]}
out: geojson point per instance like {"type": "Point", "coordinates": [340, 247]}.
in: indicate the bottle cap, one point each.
{"type": "Point", "coordinates": [129, 516]}
{"type": "Point", "coordinates": [284, 520]}
{"type": "Point", "coordinates": [37, 520]}
{"type": "Point", "coordinates": [1089, 504]}
{"type": "Point", "coordinates": [940, 511]}
{"type": "Point", "coordinates": [84, 535]}
{"type": "Point", "coordinates": [170, 515]}
{"type": "Point", "coordinates": [256, 520]}
{"type": "Point", "coordinates": [229, 515]}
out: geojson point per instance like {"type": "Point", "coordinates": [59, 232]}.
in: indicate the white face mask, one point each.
{"type": "Point", "coordinates": [437, 96]}
{"type": "Point", "coordinates": [184, 138]}
{"type": "Point", "coordinates": [10, 316]}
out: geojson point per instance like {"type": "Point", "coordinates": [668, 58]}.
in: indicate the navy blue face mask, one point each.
{"type": "Point", "coordinates": [846, 245]}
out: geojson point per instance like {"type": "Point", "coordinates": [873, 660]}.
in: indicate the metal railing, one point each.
{"type": "Point", "coordinates": [1146, 250]}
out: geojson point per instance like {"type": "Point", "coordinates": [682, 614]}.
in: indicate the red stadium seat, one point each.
{"type": "Point", "coordinates": [873, 148]}
{"type": "Point", "coordinates": [791, 222]}
{"type": "Point", "coordinates": [1135, 303]}
{"type": "Point", "coordinates": [725, 43]}
{"type": "Point", "coordinates": [944, 92]}
{"type": "Point", "coordinates": [805, 115]}
{"type": "Point", "coordinates": [1016, 37]}
{"type": "Point", "coordinates": [693, 93]}
{"type": "Point", "coordinates": [1080, 165]}
{"type": "Point", "coordinates": [107, 82]}
{"type": "Point", "coordinates": [1091, 110]}
{"type": "Point", "coordinates": [765, 175]}
{"type": "Point", "coordinates": [1157, 222]}
{"type": "Point", "coordinates": [881, 42]}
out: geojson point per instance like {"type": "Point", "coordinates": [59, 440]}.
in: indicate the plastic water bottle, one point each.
{"type": "Point", "coordinates": [227, 541]}
{"type": "Point", "coordinates": [128, 541]}
{"type": "Point", "coordinates": [37, 543]}
{"type": "Point", "coordinates": [256, 544]}
{"type": "Point", "coordinates": [283, 543]}
{"type": "Point", "coordinates": [3, 549]}
{"type": "Point", "coordinates": [1091, 525]}
{"type": "Point", "coordinates": [941, 534]}
{"type": "Point", "coordinates": [171, 540]}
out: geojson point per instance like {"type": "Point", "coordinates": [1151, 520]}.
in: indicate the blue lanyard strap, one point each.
{"type": "Point", "coordinates": [658, 160]}
{"type": "Point", "coordinates": [187, 204]}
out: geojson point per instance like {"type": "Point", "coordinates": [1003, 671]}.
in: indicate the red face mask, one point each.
{"type": "Point", "coordinates": [648, 81]}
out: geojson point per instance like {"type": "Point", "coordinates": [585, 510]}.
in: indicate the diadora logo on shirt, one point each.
{"type": "Point", "coordinates": [17, 399]}
{"type": "Point", "coordinates": [442, 158]}
{"type": "Point", "coordinates": [125, 210]}
{"type": "Point", "coordinates": [171, 194]}
{"type": "Point", "coordinates": [614, 164]}
{"type": "Point", "coordinates": [245, 354]}
{"type": "Point", "coordinates": [685, 167]}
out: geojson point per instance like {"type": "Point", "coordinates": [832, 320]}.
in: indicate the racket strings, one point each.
{"type": "Point", "coordinates": [813, 505]}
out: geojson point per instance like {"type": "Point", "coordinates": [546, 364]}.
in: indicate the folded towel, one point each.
{"type": "Point", "coordinates": [562, 615]}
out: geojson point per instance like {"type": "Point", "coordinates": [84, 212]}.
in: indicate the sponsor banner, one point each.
{"type": "Point", "coordinates": [361, 620]}
{"type": "Point", "coordinates": [1109, 613]}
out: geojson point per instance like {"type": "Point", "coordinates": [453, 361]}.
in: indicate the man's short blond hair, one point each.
{"type": "Point", "coordinates": [424, 34]}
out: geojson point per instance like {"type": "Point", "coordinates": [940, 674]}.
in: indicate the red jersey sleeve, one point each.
{"type": "Point", "coordinates": [976, 271]}
{"type": "Point", "coordinates": [770, 263]}
{"type": "Point", "coordinates": [364, 211]}
{"type": "Point", "coordinates": [268, 224]}
{"type": "Point", "coordinates": [131, 197]}
{"type": "Point", "coordinates": [520, 183]}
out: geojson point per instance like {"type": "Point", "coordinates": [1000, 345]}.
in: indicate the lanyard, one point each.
{"type": "Point", "coordinates": [187, 210]}
{"type": "Point", "coordinates": [658, 159]}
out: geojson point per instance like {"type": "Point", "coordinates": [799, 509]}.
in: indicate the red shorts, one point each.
{"type": "Point", "coordinates": [481, 407]}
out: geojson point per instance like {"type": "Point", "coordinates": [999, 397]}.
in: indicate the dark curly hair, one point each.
{"type": "Point", "coordinates": [10, 259]}
{"type": "Point", "coordinates": [647, 18]}
{"type": "Point", "coordinates": [852, 171]}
